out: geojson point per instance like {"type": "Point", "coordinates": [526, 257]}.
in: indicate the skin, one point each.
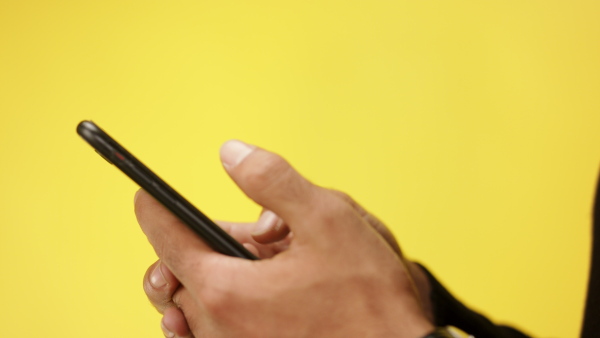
{"type": "Point", "coordinates": [328, 268]}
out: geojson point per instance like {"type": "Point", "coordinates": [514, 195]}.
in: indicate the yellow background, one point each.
{"type": "Point", "coordinates": [470, 127]}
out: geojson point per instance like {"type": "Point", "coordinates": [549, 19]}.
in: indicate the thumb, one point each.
{"type": "Point", "coordinates": [270, 181]}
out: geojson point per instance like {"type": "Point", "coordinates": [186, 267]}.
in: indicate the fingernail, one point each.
{"type": "Point", "coordinates": [157, 279]}
{"type": "Point", "coordinates": [166, 332]}
{"type": "Point", "coordinates": [136, 195]}
{"type": "Point", "coordinates": [233, 152]}
{"type": "Point", "coordinates": [268, 221]}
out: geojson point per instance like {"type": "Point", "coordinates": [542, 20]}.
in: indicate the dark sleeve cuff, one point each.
{"type": "Point", "coordinates": [447, 310]}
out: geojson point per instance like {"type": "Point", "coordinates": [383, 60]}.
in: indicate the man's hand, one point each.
{"type": "Point", "coordinates": [337, 278]}
{"type": "Point", "coordinates": [265, 238]}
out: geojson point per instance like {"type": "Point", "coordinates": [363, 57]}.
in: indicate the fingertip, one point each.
{"type": "Point", "coordinates": [140, 202]}
{"type": "Point", "coordinates": [157, 278]}
{"type": "Point", "coordinates": [161, 275]}
{"type": "Point", "coordinates": [233, 152]}
{"type": "Point", "coordinates": [269, 228]}
{"type": "Point", "coordinates": [140, 195]}
{"type": "Point", "coordinates": [166, 331]}
{"type": "Point", "coordinates": [174, 323]}
{"type": "Point", "coordinates": [267, 222]}
{"type": "Point", "coordinates": [135, 200]}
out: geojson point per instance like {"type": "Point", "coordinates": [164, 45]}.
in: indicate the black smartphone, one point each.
{"type": "Point", "coordinates": [115, 154]}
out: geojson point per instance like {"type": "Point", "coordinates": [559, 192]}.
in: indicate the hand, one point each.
{"type": "Point", "coordinates": [337, 278]}
{"type": "Point", "coordinates": [265, 238]}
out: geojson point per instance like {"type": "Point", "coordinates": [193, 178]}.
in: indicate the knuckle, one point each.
{"type": "Point", "coordinates": [351, 202]}
{"type": "Point", "coordinates": [177, 298]}
{"type": "Point", "coordinates": [217, 293]}
{"type": "Point", "coordinates": [333, 211]}
{"type": "Point", "coordinates": [344, 196]}
{"type": "Point", "coordinates": [159, 300]}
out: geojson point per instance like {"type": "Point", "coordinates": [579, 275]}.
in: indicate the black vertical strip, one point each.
{"type": "Point", "coordinates": [591, 319]}
{"type": "Point", "coordinates": [448, 310]}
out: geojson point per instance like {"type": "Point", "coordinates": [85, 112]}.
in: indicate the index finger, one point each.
{"type": "Point", "coordinates": [177, 246]}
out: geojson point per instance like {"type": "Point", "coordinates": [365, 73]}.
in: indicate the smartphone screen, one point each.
{"type": "Point", "coordinates": [117, 155]}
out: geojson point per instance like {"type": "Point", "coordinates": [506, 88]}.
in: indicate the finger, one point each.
{"type": "Point", "coordinates": [271, 182]}
{"type": "Point", "coordinates": [159, 285]}
{"type": "Point", "coordinates": [270, 228]}
{"type": "Point", "coordinates": [261, 247]}
{"type": "Point", "coordinates": [178, 247]}
{"type": "Point", "coordinates": [174, 324]}
{"type": "Point", "coordinates": [252, 248]}
{"type": "Point", "coordinates": [241, 232]}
